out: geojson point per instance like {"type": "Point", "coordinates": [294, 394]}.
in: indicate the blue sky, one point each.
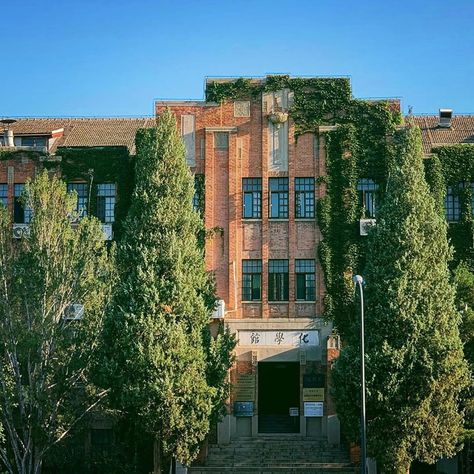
{"type": "Point", "coordinates": [113, 57]}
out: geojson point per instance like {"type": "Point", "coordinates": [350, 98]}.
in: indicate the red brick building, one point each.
{"type": "Point", "coordinates": [260, 196]}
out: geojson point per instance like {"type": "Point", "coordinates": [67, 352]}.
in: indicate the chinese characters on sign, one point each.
{"type": "Point", "coordinates": [279, 338]}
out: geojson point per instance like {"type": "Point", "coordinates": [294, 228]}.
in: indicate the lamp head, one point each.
{"type": "Point", "coordinates": [357, 279]}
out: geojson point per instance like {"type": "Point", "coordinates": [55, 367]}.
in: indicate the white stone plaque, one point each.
{"type": "Point", "coordinates": [279, 338]}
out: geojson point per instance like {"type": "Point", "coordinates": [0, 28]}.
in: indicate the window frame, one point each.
{"type": "Point", "coordinates": [21, 214]}
{"type": "Point", "coordinates": [278, 280]}
{"type": "Point", "coordinates": [106, 212]}
{"type": "Point", "coordinates": [4, 194]}
{"type": "Point", "coordinates": [251, 279]}
{"type": "Point", "coordinates": [368, 193]}
{"type": "Point", "coordinates": [278, 188]}
{"type": "Point", "coordinates": [305, 189]}
{"type": "Point", "coordinates": [452, 203]}
{"type": "Point", "coordinates": [252, 189]}
{"type": "Point", "coordinates": [305, 270]}
{"type": "Point", "coordinates": [84, 186]}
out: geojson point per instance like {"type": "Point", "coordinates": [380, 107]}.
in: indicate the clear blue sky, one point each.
{"type": "Point", "coordinates": [113, 57]}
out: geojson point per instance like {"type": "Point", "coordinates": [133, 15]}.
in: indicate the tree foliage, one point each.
{"type": "Point", "coordinates": [414, 359]}
{"type": "Point", "coordinates": [156, 351]}
{"type": "Point", "coordinates": [46, 359]}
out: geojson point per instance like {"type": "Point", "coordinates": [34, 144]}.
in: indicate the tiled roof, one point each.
{"type": "Point", "coordinates": [79, 132]}
{"type": "Point", "coordinates": [461, 131]}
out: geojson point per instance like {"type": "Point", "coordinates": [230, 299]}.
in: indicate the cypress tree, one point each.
{"type": "Point", "coordinates": [155, 339]}
{"type": "Point", "coordinates": [414, 359]}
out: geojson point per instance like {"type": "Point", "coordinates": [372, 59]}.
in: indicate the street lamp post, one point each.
{"type": "Point", "coordinates": [358, 281]}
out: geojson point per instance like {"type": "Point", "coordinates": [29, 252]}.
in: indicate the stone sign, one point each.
{"type": "Point", "coordinates": [279, 338]}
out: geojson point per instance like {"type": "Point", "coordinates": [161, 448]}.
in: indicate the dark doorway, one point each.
{"type": "Point", "coordinates": [278, 391]}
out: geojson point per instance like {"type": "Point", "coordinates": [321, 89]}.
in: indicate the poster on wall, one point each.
{"type": "Point", "coordinates": [313, 409]}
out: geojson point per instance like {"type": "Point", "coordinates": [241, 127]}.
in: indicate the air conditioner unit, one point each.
{"type": "Point", "coordinates": [20, 231]}
{"type": "Point", "coordinates": [219, 310]}
{"type": "Point", "coordinates": [365, 225]}
{"type": "Point", "coordinates": [107, 230]}
{"type": "Point", "coordinates": [74, 312]}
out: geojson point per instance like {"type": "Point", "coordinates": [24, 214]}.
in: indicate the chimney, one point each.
{"type": "Point", "coordinates": [9, 138]}
{"type": "Point", "coordinates": [445, 118]}
{"type": "Point", "coordinates": [8, 134]}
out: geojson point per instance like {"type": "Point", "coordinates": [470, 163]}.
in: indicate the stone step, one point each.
{"type": "Point", "coordinates": [315, 468]}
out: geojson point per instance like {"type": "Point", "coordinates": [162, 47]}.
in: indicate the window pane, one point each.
{"type": "Point", "coordinates": [451, 203]}
{"type": "Point", "coordinates": [4, 194]}
{"type": "Point", "coordinates": [278, 280]}
{"type": "Point", "coordinates": [256, 286]}
{"type": "Point", "coordinates": [82, 190]}
{"type": "Point", "coordinates": [274, 208]}
{"type": "Point", "coordinates": [21, 215]}
{"type": "Point", "coordinates": [300, 286]}
{"type": "Point", "coordinates": [106, 202]}
{"type": "Point", "coordinates": [248, 205]}
{"type": "Point", "coordinates": [251, 280]}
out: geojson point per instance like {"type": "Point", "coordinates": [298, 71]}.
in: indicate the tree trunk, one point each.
{"type": "Point", "coordinates": [157, 455]}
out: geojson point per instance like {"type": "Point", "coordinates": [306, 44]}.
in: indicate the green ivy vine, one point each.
{"type": "Point", "coordinates": [453, 165]}
{"type": "Point", "coordinates": [358, 147]}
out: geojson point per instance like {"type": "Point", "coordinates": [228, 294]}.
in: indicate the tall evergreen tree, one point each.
{"type": "Point", "coordinates": [414, 360]}
{"type": "Point", "coordinates": [157, 361]}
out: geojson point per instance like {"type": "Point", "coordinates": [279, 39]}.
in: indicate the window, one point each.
{"type": "Point", "coordinates": [305, 280]}
{"type": "Point", "coordinates": [451, 203]}
{"type": "Point", "coordinates": [368, 191]}
{"type": "Point", "coordinates": [251, 280]}
{"type": "Point", "coordinates": [221, 140]}
{"type": "Point", "coordinates": [278, 280]}
{"type": "Point", "coordinates": [4, 194]}
{"type": "Point", "coordinates": [106, 202]}
{"type": "Point", "coordinates": [21, 215]}
{"type": "Point", "coordinates": [279, 198]}
{"type": "Point", "coordinates": [198, 179]}
{"type": "Point", "coordinates": [252, 198]}
{"type": "Point", "coordinates": [304, 198]}
{"type": "Point", "coordinates": [101, 442]}
{"type": "Point", "coordinates": [33, 141]}
{"type": "Point", "coordinates": [82, 190]}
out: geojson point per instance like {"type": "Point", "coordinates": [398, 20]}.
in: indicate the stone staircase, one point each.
{"type": "Point", "coordinates": [272, 454]}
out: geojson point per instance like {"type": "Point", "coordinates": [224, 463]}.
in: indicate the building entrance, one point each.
{"type": "Point", "coordinates": [278, 391]}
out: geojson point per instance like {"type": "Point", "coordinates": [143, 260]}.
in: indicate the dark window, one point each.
{"type": "Point", "coordinates": [82, 190]}
{"type": "Point", "coordinates": [101, 442]}
{"type": "Point", "coordinates": [4, 194]}
{"type": "Point", "coordinates": [451, 203]}
{"type": "Point", "coordinates": [221, 140]}
{"type": "Point", "coordinates": [305, 280]}
{"type": "Point", "coordinates": [251, 280]}
{"type": "Point", "coordinates": [21, 214]}
{"type": "Point", "coordinates": [368, 193]}
{"type": "Point", "coordinates": [252, 198]}
{"type": "Point", "coordinates": [33, 141]}
{"type": "Point", "coordinates": [196, 204]}
{"type": "Point", "coordinates": [106, 202]}
{"type": "Point", "coordinates": [278, 280]}
{"type": "Point", "coordinates": [279, 198]}
{"type": "Point", "coordinates": [304, 198]}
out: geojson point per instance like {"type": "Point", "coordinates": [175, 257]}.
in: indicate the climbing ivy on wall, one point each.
{"type": "Point", "coordinates": [102, 165]}
{"type": "Point", "coordinates": [453, 165]}
{"type": "Point", "coordinates": [359, 147]}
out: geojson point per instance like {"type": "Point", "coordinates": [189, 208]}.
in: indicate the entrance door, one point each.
{"type": "Point", "coordinates": [278, 391]}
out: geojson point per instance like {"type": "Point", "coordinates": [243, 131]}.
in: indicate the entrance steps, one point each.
{"type": "Point", "coordinates": [276, 454]}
